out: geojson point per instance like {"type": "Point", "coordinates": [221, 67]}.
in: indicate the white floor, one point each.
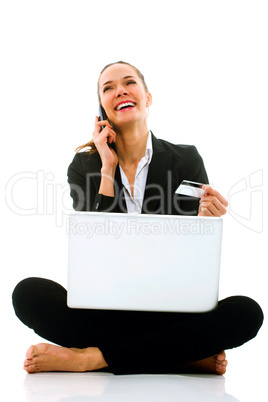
{"type": "Point", "coordinates": [245, 380]}
{"type": "Point", "coordinates": [105, 387]}
{"type": "Point", "coordinates": [76, 387]}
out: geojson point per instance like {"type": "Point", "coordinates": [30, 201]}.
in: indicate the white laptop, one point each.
{"type": "Point", "coordinates": [143, 262]}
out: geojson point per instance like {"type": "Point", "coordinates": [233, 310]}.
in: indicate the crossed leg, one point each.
{"type": "Point", "coordinates": [47, 357]}
{"type": "Point", "coordinates": [120, 340]}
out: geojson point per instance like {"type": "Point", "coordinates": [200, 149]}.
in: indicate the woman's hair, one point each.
{"type": "Point", "coordinates": [91, 144]}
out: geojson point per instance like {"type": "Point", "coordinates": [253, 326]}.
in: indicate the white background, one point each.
{"type": "Point", "coordinates": [205, 63]}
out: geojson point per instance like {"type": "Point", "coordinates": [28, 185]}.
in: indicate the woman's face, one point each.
{"type": "Point", "coordinates": [123, 95]}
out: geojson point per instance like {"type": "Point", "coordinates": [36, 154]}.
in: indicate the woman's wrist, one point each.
{"type": "Point", "coordinates": [107, 181]}
{"type": "Point", "coordinates": [108, 171]}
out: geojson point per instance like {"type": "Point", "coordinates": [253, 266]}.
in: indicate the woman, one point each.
{"type": "Point", "coordinates": [130, 170]}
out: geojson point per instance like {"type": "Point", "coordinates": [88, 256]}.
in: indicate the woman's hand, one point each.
{"type": "Point", "coordinates": [212, 203]}
{"type": "Point", "coordinates": [101, 139]}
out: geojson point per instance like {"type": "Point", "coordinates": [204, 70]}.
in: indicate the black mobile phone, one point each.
{"type": "Point", "coordinates": [102, 115]}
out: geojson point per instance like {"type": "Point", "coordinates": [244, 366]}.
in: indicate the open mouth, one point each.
{"type": "Point", "coordinates": [124, 106]}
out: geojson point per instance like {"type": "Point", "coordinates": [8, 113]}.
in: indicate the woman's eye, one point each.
{"type": "Point", "coordinates": [127, 83]}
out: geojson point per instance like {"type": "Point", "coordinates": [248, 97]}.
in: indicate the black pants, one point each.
{"type": "Point", "coordinates": [131, 341]}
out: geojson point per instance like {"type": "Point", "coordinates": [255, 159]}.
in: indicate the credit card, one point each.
{"type": "Point", "coordinates": [191, 189]}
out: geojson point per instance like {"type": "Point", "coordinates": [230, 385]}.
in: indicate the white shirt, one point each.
{"type": "Point", "coordinates": [134, 204]}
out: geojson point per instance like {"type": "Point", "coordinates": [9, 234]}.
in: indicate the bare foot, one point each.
{"type": "Point", "coordinates": [46, 357]}
{"type": "Point", "coordinates": [212, 365]}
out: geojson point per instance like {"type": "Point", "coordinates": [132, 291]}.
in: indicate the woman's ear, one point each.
{"type": "Point", "coordinates": [149, 100]}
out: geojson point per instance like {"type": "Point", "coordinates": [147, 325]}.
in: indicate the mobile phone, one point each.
{"type": "Point", "coordinates": [102, 115]}
{"type": "Point", "coordinates": [191, 188]}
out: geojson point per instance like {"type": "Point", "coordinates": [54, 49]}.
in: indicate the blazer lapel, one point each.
{"type": "Point", "coordinates": [157, 178]}
{"type": "Point", "coordinates": [118, 191]}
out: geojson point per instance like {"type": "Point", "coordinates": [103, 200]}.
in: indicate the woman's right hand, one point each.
{"type": "Point", "coordinates": [101, 139]}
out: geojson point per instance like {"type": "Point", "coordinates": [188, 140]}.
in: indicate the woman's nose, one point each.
{"type": "Point", "coordinates": [121, 91]}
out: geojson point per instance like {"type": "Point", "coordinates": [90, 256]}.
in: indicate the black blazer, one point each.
{"type": "Point", "coordinates": [170, 165]}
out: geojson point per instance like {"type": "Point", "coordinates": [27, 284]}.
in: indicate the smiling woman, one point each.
{"type": "Point", "coordinates": [107, 87]}
{"type": "Point", "coordinates": [132, 171]}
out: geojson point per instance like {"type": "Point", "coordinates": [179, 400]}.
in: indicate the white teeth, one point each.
{"type": "Point", "coordinates": [119, 107]}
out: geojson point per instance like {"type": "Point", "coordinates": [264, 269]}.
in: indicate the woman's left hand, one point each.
{"type": "Point", "coordinates": [212, 203]}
